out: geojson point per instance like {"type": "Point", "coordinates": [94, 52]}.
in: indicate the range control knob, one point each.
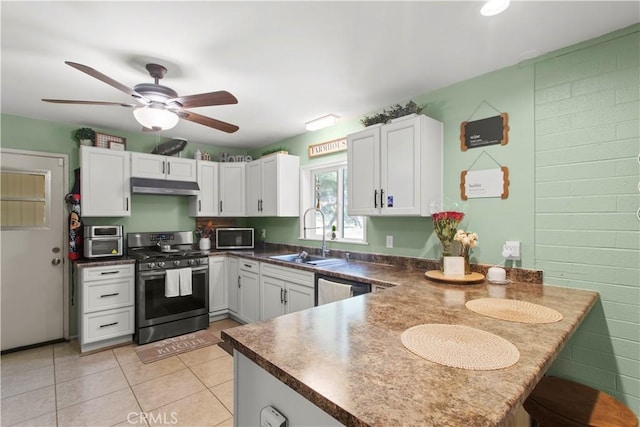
{"type": "Point", "coordinates": [160, 264]}
{"type": "Point", "coordinates": [192, 261]}
{"type": "Point", "coordinates": [203, 260]}
{"type": "Point", "coordinates": [151, 264]}
{"type": "Point", "coordinates": [176, 263]}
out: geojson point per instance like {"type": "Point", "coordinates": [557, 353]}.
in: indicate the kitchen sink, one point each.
{"type": "Point", "coordinates": [314, 260]}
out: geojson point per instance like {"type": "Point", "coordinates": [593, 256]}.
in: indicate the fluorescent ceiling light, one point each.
{"type": "Point", "coordinates": [156, 118]}
{"type": "Point", "coordinates": [494, 7]}
{"type": "Point", "coordinates": [322, 122]}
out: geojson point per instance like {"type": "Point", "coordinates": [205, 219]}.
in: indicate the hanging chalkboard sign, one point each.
{"type": "Point", "coordinates": [479, 133]}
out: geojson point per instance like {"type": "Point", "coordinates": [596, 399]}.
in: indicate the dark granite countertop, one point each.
{"type": "Point", "coordinates": [347, 357]}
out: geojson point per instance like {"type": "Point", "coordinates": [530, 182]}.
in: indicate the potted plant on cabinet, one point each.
{"type": "Point", "coordinates": [85, 136]}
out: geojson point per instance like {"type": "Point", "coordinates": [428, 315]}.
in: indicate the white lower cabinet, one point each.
{"type": "Point", "coordinates": [106, 296]}
{"type": "Point", "coordinates": [284, 290]}
{"type": "Point", "coordinates": [233, 280]}
{"type": "Point", "coordinates": [249, 290]}
{"type": "Point", "coordinates": [218, 289]}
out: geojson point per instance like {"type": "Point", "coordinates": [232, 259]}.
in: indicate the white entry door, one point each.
{"type": "Point", "coordinates": [32, 248]}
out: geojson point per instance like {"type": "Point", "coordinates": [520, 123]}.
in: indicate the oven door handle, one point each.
{"type": "Point", "coordinates": [162, 273]}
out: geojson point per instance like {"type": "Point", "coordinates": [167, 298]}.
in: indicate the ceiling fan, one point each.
{"type": "Point", "coordinates": [159, 106]}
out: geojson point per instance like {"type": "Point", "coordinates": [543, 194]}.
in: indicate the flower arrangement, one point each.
{"type": "Point", "coordinates": [468, 241]}
{"type": "Point", "coordinates": [445, 224]}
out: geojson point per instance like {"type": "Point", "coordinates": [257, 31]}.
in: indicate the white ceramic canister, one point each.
{"type": "Point", "coordinates": [205, 244]}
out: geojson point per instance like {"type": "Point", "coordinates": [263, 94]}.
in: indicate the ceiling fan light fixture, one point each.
{"type": "Point", "coordinates": [322, 122]}
{"type": "Point", "coordinates": [156, 118]}
{"type": "Point", "coordinates": [494, 7]}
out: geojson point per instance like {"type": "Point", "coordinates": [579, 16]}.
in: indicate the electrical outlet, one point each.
{"type": "Point", "coordinates": [263, 234]}
{"type": "Point", "coordinates": [390, 241]}
{"type": "Point", "coordinates": [511, 250]}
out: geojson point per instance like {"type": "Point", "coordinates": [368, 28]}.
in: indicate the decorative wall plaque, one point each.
{"type": "Point", "coordinates": [479, 133]}
{"type": "Point", "coordinates": [328, 147]}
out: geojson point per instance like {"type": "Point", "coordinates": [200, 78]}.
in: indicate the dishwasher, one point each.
{"type": "Point", "coordinates": [357, 288]}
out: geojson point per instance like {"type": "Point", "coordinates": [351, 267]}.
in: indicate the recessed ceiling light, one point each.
{"type": "Point", "coordinates": [322, 122]}
{"type": "Point", "coordinates": [494, 7]}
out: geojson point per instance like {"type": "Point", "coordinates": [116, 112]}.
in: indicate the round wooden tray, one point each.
{"type": "Point", "coordinates": [467, 278]}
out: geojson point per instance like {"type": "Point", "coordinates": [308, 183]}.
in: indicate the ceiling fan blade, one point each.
{"type": "Point", "coordinates": [207, 121]}
{"type": "Point", "coordinates": [69, 101]}
{"type": "Point", "coordinates": [106, 79]}
{"type": "Point", "coordinates": [221, 97]}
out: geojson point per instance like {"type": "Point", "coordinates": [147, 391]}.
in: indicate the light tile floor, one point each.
{"type": "Point", "coordinates": [55, 386]}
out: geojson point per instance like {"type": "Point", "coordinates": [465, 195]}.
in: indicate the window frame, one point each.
{"type": "Point", "coordinates": [307, 190]}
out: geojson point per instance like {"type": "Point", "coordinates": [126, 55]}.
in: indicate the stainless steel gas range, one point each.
{"type": "Point", "coordinates": [172, 285]}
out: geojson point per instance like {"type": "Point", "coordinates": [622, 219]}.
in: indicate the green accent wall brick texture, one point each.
{"type": "Point", "coordinates": [587, 173]}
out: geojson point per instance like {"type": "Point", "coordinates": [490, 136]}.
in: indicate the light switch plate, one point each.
{"type": "Point", "coordinates": [390, 241]}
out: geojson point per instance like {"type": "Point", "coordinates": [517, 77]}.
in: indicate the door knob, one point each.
{"type": "Point", "coordinates": [56, 261]}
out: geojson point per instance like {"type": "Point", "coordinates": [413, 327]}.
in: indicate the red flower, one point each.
{"type": "Point", "coordinates": [445, 224]}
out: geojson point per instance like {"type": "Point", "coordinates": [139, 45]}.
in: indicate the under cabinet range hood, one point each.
{"type": "Point", "coordinates": [164, 186]}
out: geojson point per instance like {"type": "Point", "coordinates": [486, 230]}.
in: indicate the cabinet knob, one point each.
{"type": "Point", "coordinates": [56, 261]}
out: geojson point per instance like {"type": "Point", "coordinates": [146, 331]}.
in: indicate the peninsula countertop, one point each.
{"type": "Point", "coordinates": [348, 360]}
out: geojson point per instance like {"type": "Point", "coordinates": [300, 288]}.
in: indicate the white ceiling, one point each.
{"type": "Point", "coordinates": [286, 62]}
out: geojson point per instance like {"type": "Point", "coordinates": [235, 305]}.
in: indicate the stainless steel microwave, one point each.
{"type": "Point", "coordinates": [234, 238]}
{"type": "Point", "coordinates": [103, 241]}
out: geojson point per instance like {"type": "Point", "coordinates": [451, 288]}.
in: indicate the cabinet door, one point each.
{"type": "Point", "coordinates": [206, 203]}
{"type": "Point", "coordinates": [363, 171]}
{"type": "Point", "coordinates": [254, 187]}
{"type": "Point", "coordinates": [272, 297]}
{"type": "Point", "coordinates": [105, 184]}
{"type": "Point", "coordinates": [233, 282]}
{"type": "Point", "coordinates": [145, 165]}
{"type": "Point", "coordinates": [181, 169]}
{"type": "Point", "coordinates": [232, 189]}
{"type": "Point", "coordinates": [298, 297]}
{"type": "Point", "coordinates": [249, 308]}
{"type": "Point", "coordinates": [400, 167]}
{"type": "Point", "coordinates": [270, 186]}
{"type": "Point", "coordinates": [217, 284]}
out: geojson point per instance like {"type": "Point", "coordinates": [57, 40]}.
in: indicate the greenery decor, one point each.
{"type": "Point", "coordinates": [275, 150]}
{"type": "Point", "coordinates": [85, 133]}
{"type": "Point", "coordinates": [392, 113]}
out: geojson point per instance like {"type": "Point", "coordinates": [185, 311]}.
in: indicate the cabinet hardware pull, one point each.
{"type": "Point", "coordinates": [382, 198]}
{"type": "Point", "coordinates": [239, 284]}
{"type": "Point", "coordinates": [109, 324]}
{"type": "Point", "coordinates": [285, 296]}
{"type": "Point", "coordinates": [103, 273]}
{"type": "Point", "coordinates": [127, 204]}
{"type": "Point", "coordinates": [163, 162]}
{"type": "Point", "coordinates": [248, 265]}
{"type": "Point", "coordinates": [220, 205]}
{"type": "Point", "coordinates": [199, 205]}
{"type": "Point", "coordinates": [110, 295]}
{"type": "Point", "coordinates": [375, 198]}
{"type": "Point", "coordinates": [168, 168]}
{"type": "Point", "coordinates": [281, 296]}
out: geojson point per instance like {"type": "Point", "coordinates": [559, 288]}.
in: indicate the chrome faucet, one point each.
{"type": "Point", "coordinates": [324, 248]}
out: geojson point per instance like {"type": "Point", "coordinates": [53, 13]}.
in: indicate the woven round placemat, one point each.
{"type": "Point", "coordinates": [460, 346]}
{"type": "Point", "coordinates": [514, 310]}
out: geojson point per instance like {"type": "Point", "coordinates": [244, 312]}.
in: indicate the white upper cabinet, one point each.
{"type": "Point", "coordinates": [145, 165]}
{"type": "Point", "coordinates": [395, 169]}
{"type": "Point", "coordinates": [105, 186]}
{"type": "Point", "coordinates": [232, 189]}
{"type": "Point", "coordinates": [206, 202]}
{"type": "Point", "coordinates": [273, 186]}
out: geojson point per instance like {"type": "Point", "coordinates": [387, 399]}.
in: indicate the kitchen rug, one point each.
{"type": "Point", "coordinates": [159, 350]}
{"type": "Point", "coordinates": [460, 346]}
{"type": "Point", "coordinates": [514, 310]}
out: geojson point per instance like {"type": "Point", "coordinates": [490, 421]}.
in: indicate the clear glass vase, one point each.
{"type": "Point", "coordinates": [445, 250]}
{"type": "Point", "coordinates": [467, 264]}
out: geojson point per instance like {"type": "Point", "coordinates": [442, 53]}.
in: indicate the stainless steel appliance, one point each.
{"type": "Point", "coordinates": [103, 241]}
{"type": "Point", "coordinates": [159, 256]}
{"type": "Point", "coordinates": [357, 288]}
{"type": "Point", "coordinates": [234, 238]}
